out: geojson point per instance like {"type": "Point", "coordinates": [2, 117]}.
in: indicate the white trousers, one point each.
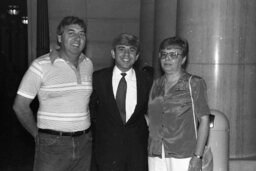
{"type": "Point", "coordinates": [168, 164]}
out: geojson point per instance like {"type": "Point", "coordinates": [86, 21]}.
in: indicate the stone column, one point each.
{"type": "Point", "coordinates": [43, 45]}
{"type": "Point", "coordinates": [221, 34]}
{"type": "Point", "coordinates": [32, 22]}
{"type": "Point", "coordinates": [165, 26]}
{"type": "Point", "coordinates": [147, 17]}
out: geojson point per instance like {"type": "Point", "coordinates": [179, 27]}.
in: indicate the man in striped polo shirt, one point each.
{"type": "Point", "coordinates": [63, 84]}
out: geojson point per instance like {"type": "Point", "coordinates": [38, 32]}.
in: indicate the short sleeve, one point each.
{"type": "Point", "coordinates": [31, 81]}
{"type": "Point", "coordinates": [199, 91]}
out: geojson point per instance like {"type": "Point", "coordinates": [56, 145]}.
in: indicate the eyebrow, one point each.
{"type": "Point", "coordinates": [73, 29]}
{"type": "Point", "coordinates": [171, 50]}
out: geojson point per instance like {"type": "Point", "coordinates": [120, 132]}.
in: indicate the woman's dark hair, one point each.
{"type": "Point", "coordinates": [175, 41]}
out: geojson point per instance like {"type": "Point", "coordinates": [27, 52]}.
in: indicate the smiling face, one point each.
{"type": "Point", "coordinates": [72, 40]}
{"type": "Point", "coordinates": [171, 59]}
{"type": "Point", "coordinates": [125, 56]}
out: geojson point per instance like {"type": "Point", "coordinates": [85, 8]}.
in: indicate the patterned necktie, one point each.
{"type": "Point", "coordinates": [121, 96]}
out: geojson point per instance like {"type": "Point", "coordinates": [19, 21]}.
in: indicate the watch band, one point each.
{"type": "Point", "coordinates": [197, 156]}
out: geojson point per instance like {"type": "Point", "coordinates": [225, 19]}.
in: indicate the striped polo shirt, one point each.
{"type": "Point", "coordinates": [63, 92]}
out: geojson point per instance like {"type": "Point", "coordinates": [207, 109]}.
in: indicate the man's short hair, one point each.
{"type": "Point", "coordinates": [69, 20]}
{"type": "Point", "coordinates": [175, 41]}
{"type": "Point", "coordinates": [126, 39]}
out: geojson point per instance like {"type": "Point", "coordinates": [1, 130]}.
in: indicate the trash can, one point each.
{"type": "Point", "coordinates": [219, 140]}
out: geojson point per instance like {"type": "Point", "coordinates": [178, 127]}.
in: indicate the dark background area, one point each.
{"type": "Point", "coordinates": [17, 146]}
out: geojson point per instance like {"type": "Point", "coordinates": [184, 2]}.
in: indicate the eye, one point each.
{"type": "Point", "coordinates": [120, 48]}
{"type": "Point", "coordinates": [71, 33]}
{"type": "Point", "coordinates": [164, 54]}
{"type": "Point", "coordinates": [82, 34]}
{"type": "Point", "coordinates": [173, 54]}
{"type": "Point", "coordinates": [133, 50]}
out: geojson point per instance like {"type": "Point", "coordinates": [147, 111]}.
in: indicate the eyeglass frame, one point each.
{"type": "Point", "coordinates": [173, 55]}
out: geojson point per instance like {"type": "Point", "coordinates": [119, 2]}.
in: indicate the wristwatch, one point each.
{"type": "Point", "coordinates": [197, 156]}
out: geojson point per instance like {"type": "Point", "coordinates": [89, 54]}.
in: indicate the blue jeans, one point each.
{"type": "Point", "coordinates": [63, 153]}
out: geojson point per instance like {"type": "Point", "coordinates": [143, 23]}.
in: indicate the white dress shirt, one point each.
{"type": "Point", "coordinates": [131, 93]}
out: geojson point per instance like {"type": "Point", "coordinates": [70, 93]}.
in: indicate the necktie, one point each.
{"type": "Point", "coordinates": [121, 96]}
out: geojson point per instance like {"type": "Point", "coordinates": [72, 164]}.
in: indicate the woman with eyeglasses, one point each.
{"type": "Point", "coordinates": [173, 145]}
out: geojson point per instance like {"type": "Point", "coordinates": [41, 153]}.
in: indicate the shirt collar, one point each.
{"type": "Point", "coordinates": [54, 54]}
{"type": "Point", "coordinates": [117, 73]}
{"type": "Point", "coordinates": [183, 77]}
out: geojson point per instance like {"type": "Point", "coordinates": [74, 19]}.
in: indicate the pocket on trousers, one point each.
{"type": "Point", "coordinates": [50, 145]}
{"type": "Point", "coordinates": [47, 140]}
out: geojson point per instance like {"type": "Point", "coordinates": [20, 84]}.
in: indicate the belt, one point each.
{"type": "Point", "coordinates": [72, 134]}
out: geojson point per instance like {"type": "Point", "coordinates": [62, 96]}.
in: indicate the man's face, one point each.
{"type": "Point", "coordinates": [124, 56]}
{"type": "Point", "coordinates": [73, 39]}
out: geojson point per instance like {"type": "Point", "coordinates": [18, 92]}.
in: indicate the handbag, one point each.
{"type": "Point", "coordinates": [207, 160]}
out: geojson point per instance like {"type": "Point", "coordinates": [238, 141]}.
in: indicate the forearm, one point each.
{"type": "Point", "coordinates": [27, 120]}
{"type": "Point", "coordinates": [202, 133]}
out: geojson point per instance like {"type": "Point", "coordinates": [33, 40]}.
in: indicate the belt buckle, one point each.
{"type": "Point", "coordinates": [73, 134]}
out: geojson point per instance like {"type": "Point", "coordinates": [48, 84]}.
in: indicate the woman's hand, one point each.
{"type": "Point", "coordinates": [147, 119]}
{"type": "Point", "coordinates": [195, 164]}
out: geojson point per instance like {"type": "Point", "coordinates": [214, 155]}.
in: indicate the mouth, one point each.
{"type": "Point", "coordinates": [167, 64]}
{"type": "Point", "coordinates": [126, 60]}
{"type": "Point", "coordinates": [76, 44]}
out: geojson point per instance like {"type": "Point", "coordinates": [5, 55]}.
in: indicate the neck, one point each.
{"type": "Point", "coordinates": [73, 59]}
{"type": "Point", "coordinates": [172, 77]}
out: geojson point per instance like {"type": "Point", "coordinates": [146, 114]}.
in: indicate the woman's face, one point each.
{"type": "Point", "coordinates": [171, 59]}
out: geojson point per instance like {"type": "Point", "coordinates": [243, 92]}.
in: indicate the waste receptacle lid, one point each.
{"type": "Point", "coordinates": [220, 121]}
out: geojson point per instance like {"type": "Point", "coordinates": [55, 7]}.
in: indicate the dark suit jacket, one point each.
{"type": "Point", "coordinates": [119, 146]}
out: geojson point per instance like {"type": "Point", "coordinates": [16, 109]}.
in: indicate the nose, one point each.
{"type": "Point", "coordinates": [77, 37]}
{"type": "Point", "coordinates": [168, 57]}
{"type": "Point", "coordinates": [127, 51]}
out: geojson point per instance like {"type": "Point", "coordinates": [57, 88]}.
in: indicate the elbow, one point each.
{"type": "Point", "coordinates": [15, 108]}
{"type": "Point", "coordinates": [21, 106]}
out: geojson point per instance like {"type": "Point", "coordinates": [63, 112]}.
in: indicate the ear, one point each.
{"type": "Point", "coordinates": [184, 60]}
{"type": "Point", "coordinates": [59, 38]}
{"type": "Point", "coordinates": [113, 54]}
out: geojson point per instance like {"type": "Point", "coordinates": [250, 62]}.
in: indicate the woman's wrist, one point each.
{"type": "Point", "coordinates": [197, 156]}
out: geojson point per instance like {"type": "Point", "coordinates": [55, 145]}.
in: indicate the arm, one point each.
{"type": "Point", "coordinates": [94, 101]}
{"type": "Point", "coordinates": [147, 119]}
{"type": "Point", "coordinates": [93, 105]}
{"type": "Point", "coordinates": [201, 108]}
{"type": "Point", "coordinates": [203, 131]}
{"type": "Point", "coordinates": [150, 85]}
{"type": "Point", "coordinates": [25, 115]}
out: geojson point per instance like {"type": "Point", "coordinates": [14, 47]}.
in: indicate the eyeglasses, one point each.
{"type": "Point", "coordinates": [172, 55]}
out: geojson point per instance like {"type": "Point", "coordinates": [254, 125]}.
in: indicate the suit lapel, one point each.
{"type": "Point", "coordinates": [114, 112]}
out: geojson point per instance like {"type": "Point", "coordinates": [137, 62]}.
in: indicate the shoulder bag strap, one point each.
{"type": "Point", "coordinates": [193, 107]}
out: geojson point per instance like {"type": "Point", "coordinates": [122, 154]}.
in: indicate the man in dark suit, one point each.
{"type": "Point", "coordinates": [120, 132]}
